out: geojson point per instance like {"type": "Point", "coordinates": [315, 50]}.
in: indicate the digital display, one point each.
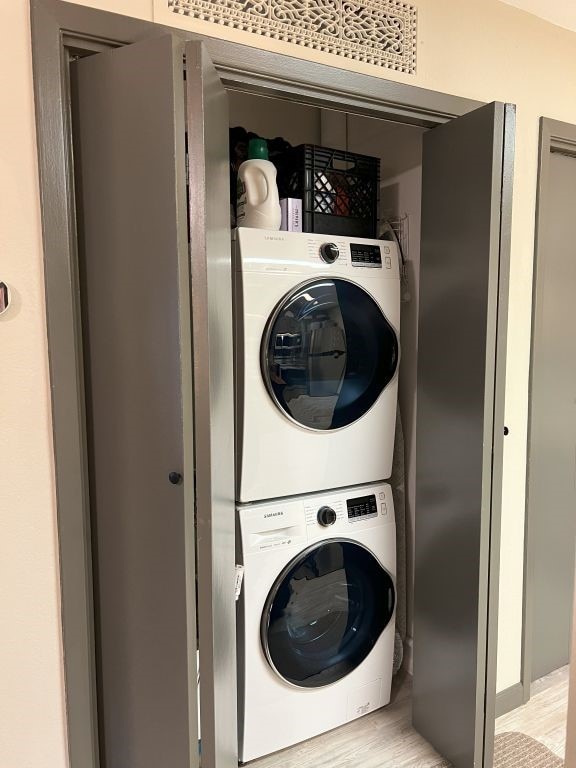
{"type": "Point", "coordinates": [361, 507]}
{"type": "Point", "coordinates": [365, 255]}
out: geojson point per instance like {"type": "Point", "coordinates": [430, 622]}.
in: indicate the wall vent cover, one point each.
{"type": "Point", "coordinates": [381, 32]}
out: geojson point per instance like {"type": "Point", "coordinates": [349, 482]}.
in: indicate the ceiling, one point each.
{"type": "Point", "coordinates": [560, 12]}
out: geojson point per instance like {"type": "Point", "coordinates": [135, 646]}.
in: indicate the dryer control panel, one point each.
{"type": "Point", "coordinates": [307, 253]}
{"type": "Point", "coordinates": [366, 255]}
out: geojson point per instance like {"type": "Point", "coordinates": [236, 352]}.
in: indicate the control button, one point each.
{"type": "Point", "coordinates": [329, 252]}
{"type": "Point", "coordinates": [382, 495]}
{"type": "Point", "coordinates": [383, 509]}
{"type": "Point", "coordinates": [388, 262]}
{"type": "Point", "coordinates": [326, 516]}
{"type": "Point", "coordinates": [386, 249]}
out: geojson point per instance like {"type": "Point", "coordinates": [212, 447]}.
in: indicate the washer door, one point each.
{"type": "Point", "coordinates": [327, 353]}
{"type": "Point", "coordinates": [325, 613]}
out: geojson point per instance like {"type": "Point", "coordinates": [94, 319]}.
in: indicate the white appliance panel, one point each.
{"type": "Point", "coordinates": [274, 713]}
{"type": "Point", "coordinates": [277, 456]}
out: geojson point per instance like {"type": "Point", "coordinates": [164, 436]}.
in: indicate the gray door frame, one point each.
{"type": "Point", "coordinates": [59, 31]}
{"type": "Point", "coordinates": [555, 136]}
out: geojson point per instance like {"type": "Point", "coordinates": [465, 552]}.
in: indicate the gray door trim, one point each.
{"type": "Point", "coordinates": [273, 74]}
{"type": "Point", "coordinates": [555, 136]}
{"type": "Point", "coordinates": [500, 348]}
{"type": "Point", "coordinates": [211, 277]}
{"type": "Point", "coordinates": [67, 385]}
{"type": "Point", "coordinates": [61, 30]}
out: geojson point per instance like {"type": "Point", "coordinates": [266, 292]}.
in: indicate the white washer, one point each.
{"type": "Point", "coordinates": [317, 323]}
{"type": "Point", "coordinates": [315, 615]}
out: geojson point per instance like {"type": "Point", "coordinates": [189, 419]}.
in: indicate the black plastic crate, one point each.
{"type": "Point", "coordinates": [339, 190]}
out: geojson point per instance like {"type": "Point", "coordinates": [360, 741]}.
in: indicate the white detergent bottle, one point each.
{"type": "Point", "coordinates": [258, 203]}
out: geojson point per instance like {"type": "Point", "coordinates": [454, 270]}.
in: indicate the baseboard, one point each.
{"type": "Point", "coordinates": [509, 699]}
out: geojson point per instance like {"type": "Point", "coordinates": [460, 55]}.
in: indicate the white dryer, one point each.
{"type": "Point", "coordinates": [317, 323]}
{"type": "Point", "coordinates": [315, 615]}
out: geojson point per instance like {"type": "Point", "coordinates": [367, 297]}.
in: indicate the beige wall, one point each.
{"type": "Point", "coordinates": [562, 12]}
{"type": "Point", "coordinates": [482, 49]}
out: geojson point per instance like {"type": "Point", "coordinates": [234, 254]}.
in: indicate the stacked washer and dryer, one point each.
{"type": "Point", "coordinates": [317, 323]}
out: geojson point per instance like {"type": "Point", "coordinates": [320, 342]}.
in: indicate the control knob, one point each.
{"type": "Point", "coordinates": [329, 252]}
{"type": "Point", "coordinates": [326, 516]}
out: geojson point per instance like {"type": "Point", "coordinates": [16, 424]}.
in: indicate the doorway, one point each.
{"type": "Point", "coordinates": [416, 107]}
{"type": "Point", "coordinates": [534, 714]}
{"type": "Point", "coordinates": [552, 446]}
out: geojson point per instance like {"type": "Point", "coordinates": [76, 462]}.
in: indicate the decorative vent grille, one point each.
{"type": "Point", "coordinates": [381, 32]}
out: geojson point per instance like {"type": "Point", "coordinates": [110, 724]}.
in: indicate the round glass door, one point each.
{"type": "Point", "coordinates": [325, 613]}
{"type": "Point", "coordinates": [327, 354]}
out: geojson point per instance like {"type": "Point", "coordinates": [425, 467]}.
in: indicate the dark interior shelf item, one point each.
{"type": "Point", "coordinates": [339, 189]}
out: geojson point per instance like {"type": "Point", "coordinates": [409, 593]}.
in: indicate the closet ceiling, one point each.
{"type": "Point", "coordinates": [560, 12]}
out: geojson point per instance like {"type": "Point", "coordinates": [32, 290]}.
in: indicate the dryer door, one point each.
{"type": "Point", "coordinates": [328, 351]}
{"type": "Point", "coordinates": [325, 613]}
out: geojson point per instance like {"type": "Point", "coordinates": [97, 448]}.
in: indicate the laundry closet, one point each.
{"type": "Point", "coordinates": [284, 461]}
{"type": "Point", "coordinates": [160, 302]}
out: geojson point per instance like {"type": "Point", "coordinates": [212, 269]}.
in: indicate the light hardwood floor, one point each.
{"type": "Point", "coordinates": [382, 739]}
{"type": "Point", "coordinates": [544, 717]}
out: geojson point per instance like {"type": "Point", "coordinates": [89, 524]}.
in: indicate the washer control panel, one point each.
{"type": "Point", "coordinates": [362, 507]}
{"type": "Point", "coordinates": [326, 516]}
{"type": "Point", "coordinates": [337, 513]}
{"type": "Point", "coordinates": [292, 522]}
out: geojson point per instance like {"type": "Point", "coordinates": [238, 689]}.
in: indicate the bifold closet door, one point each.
{"type": "Point", "coordinates": [466, 198]}
{"type": "Point", "coordinates": [144, 306]}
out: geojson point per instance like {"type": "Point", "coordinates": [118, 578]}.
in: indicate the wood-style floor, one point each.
{"type": "Point", "coordinates": [544, 717]}
{"type": "Point", "coordinates": [386, 739]}
{"type": "Point", "coordinates": [382, 739]}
